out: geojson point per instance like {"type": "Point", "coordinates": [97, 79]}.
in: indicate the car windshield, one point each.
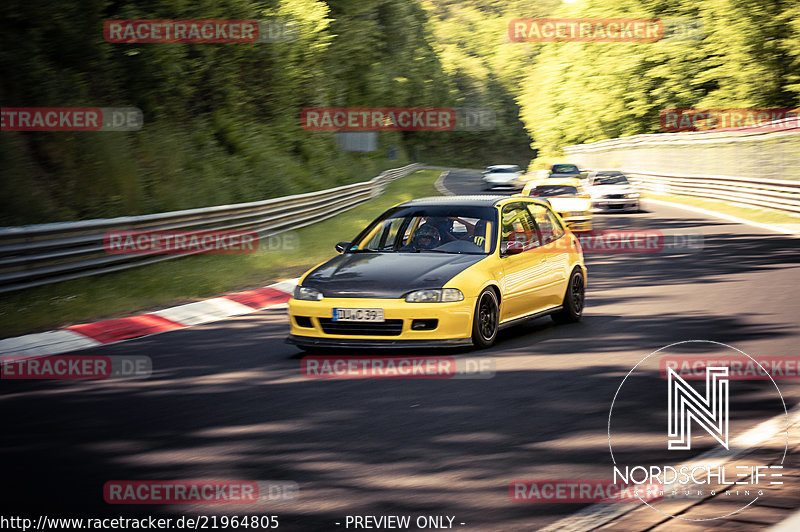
{"type": "Point", "coordinates": [565, 169]}
{"type": "Point", "coordinates": [610, 179]}
{"type": "Point", "coordinates": [504, 170]}
{"type": "Point", "coordinates": [548, 191]}
{"type": "Point", "coordinates": [431, 229]}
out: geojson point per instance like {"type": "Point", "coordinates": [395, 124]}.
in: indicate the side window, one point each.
{"type": "Point", "coordinates": [411, 228]}
{"type": "Point", "coordinates": [518, 226]}
{"type": "Point", "coordinates": [558, 229]}
{"type": "Point", "coordinates": [549, 226]}
{"type": "Point", "coordinates": [384, 235]}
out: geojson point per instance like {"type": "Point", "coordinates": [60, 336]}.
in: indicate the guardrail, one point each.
{"type": "Point", "coordinates": [769, 193]}
{"type": "Point", "coordinates": [36, 255]}
{"type": "Point", "coordinates": [756, 165]}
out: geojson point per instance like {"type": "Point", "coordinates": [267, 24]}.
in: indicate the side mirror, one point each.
{"type": "Point", "coordinates": [510, 248]}
{"type": "Point", "coordinates": [341, 247]}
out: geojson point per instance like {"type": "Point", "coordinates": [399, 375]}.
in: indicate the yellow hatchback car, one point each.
{"type": "Point", "coordinates": [566, 195]}
{"type": "Point", "coordinates": [442, 271]}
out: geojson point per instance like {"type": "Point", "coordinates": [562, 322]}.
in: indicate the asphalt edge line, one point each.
{"type": "Point", "coordinates": [440, 184]}
{"type": "Point", "coordinates": [724, 216]}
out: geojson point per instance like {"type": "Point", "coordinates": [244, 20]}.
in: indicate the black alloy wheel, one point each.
{"type": "Point", "coordinates": [486, 322]}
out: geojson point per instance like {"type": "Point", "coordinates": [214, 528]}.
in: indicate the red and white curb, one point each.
{"type": "Point", "coordinates": [104, 332]}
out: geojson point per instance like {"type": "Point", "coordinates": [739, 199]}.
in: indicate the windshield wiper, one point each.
{"type": "Point", "coordinates": [439, 251]}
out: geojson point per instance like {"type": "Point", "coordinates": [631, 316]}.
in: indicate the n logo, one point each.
{"type": "Point", "coordinates": [685, 405]}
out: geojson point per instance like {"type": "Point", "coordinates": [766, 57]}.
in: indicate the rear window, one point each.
{"type": "Point", "coordinates": [504, 170]}
{"type": "Point", "coordinates": [554, 190]}
{"type": "Point", "coordinates": [610, 179]}
{"type": "Point", "coordinates": [565, 169]}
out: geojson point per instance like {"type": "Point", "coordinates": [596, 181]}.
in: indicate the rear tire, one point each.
{"type": "Point", "coordinates": [574, 299]}
{"type": "Point", "coordinates": [486, 321]}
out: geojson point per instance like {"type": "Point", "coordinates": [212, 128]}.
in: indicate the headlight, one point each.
{"type": "Point", "coordinates": [444, 295]}
{"type": "Point", "coordinates": [307, 294]}
{"type": "Point", "coordinates": [632, 195]}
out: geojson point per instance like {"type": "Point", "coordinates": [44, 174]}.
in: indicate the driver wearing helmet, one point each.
{"type": "Point", "coordinates": [427, 237]}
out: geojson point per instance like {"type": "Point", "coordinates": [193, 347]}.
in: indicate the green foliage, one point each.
{"type": "Point", "coordinates": [221, 120]}
{"type": "Point", "coordinates": [583, 92]}
{"type": "Point", "coordinates": [484, 69]}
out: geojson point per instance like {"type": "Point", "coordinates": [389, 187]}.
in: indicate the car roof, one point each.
{"type": "Point", "coordinates": [476, 200]}
{"type": "Point", "coordinates": [503, 166]}
{"type": "Point", "coordinates": [609, 170]}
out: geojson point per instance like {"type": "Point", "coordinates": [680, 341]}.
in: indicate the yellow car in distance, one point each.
{"type": "Point", "coordinates": [567, 197]}
{"type": "Point", "coordinates": [442, 271]}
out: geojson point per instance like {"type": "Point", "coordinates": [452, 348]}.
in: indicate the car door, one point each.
{"type": "Point", "coordinates": [525, 268]}
{"type": "Point", "coordinates": [556, 247]}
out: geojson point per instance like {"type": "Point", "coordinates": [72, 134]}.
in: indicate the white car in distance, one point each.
{"type": "Point", "coordinates": [503, 175]}
{"type": "Point", "coordinates": [611, 191]}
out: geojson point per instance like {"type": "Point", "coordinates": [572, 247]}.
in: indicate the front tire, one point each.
{"type": "Point", "coordinates": [574, 299]}
{"type": "Point", "coordinates": [486, 321]}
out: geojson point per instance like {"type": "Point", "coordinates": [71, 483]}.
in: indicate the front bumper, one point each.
{"type": "Point", "coordinates": [607, 205]}
{"type": "Point", "coordinates": [309, 341]}
{"type": "Point", "coordinates": [453, 325]}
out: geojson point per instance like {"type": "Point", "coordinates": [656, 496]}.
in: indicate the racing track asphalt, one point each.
{"type": "Point", "coordinates": [227, 401]}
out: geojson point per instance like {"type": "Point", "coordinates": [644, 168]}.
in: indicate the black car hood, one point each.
{"type": "Point", "coordinates": [386, 275]}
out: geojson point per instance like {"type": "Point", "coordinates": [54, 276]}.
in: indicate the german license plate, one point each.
{"type": "Point", "coordinates": [358, 314]}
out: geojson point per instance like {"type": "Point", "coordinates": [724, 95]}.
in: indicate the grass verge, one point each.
{"type": "Point", "coordinates": [754, 214]}
{"type": "Point", "coordinates": [187, 279]}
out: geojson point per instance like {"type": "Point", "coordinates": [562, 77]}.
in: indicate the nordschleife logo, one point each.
{"type": "Point", "coordinates": [686, 405]}
{"type": "Point", "coordinates": [711, 443]}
